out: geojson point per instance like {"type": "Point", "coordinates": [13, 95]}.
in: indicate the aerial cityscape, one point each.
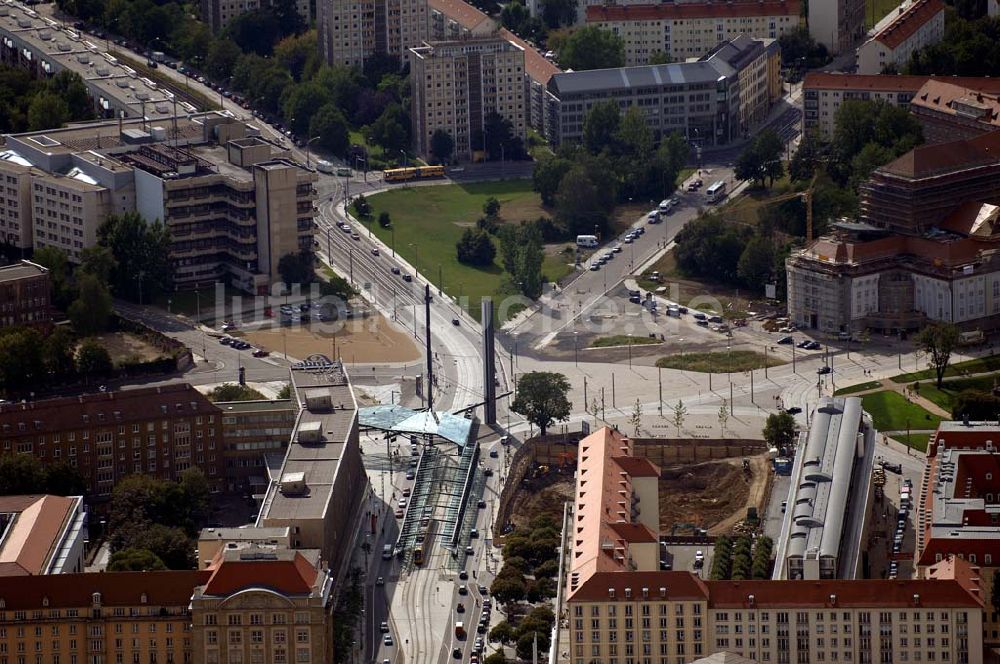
{"type": "Point", "coordinates": [538, 331]}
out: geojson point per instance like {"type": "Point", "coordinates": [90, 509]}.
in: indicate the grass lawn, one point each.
{"type": "Point", "coordinates": [860, 387]}
{"type": "Point", "coordinates": [428, 221]}
{"type": "Point", "coordinates": [891, 412]}
{"type": "Point", "coordinates": [720, 362]}
{"type": "Point", "coordinates": [622, 340]}
{"type": "Point", "coordinates": [980, 365]}
{"type": "Point", "coordinates": [945, 397]}
{"type": "Point", "coordinates": [917, 441]}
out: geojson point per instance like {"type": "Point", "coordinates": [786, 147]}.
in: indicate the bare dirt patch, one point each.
{"type": "Point", "coordinates": [369, 340]}
{"type": "Point", "coordinates": [543, 495]}
{"type": "Point", "coordinates": [124, 347]}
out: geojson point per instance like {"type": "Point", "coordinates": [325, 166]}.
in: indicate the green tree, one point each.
{"type": "Point", "coordinates": [297, 268]}
{"type": "Point", "coordinates": [55, 260]}
{"type": "Point", "coordinates": [329, 124]}
{"type": "Point", "coordinates": [285, 392]}
{"type": "Point", "coordinates": [93, 359]}
{"type": "Point", "coordinates": [547, 177]}
{"type": "Point", "coordinates": [222, 57]}
{"type": "Point", "coordinates": [135, 560]}
{"type": "Point", "coordinates": [58, 351]}
{"type": "Point", "coordinates": [20, 358]}
{"type": "Point", "coordinates": [384, 220]}
{"type": "Point", "coordinates": [502, 633]}
{"type": "Point", "coordinates": [756, 263]}
{"type": "Point", "coordinates": [196, 492]}
{"type": "Point", "coordinates": [557, 13]}
{"type": "Point", "coordinates": [779, 429]}
{"type": "Point", "coordinates": [521, 254]}
{"type": "Point", "coordinates": [98, 261]}
{"type": "Point", "coordinates": [592, 48]}
{"type": "Point", "coordinates": [579, 203]}
{"type": "Point", "coordinates": [143, 268]}
{"type": "Point", "coordinates": [234, 392]}
{"type": "Point", "coordinates": [634, 136]}
{"type": "Point", "coordinates": [302, 101]}
{"type": "Point", "coordinates": [761, 159]}
{"type": "Point", "coordinates": [298, 54]}
{"type": "Point", "coordinates": [526, 644]}
{"type": "Point", "coordinates": [659, 58]}
{"type": "Point", "coordinates": [442, 146]}
{"type": "Point", "coordinates": [21, 474]}
{"type": "Point", "coordinates": [475, 247]}
{"type": "Point", "coordinates": [491, 208]}
{"type": "Point", "coordinates": [600, 126]}
{"type": "Point", "coordinates": [392, 129]}
{"type": "Point", "coordinates": [508, 589]}
{"type": "Point", "coordinates": [541, 398]}
{"type": "Point", "coordinates": [938, 340]}
{"type": "Point", "coordinates": [495, 658]}
{"type": "Point", "coordinates": [671, 157]}
{"type": "Point", "coordinates": [254, 31]}
{"type": "Point", "coordinates": [47, 111]}
{"type": "Point", "coordinates": [91, 311]}
{"type": "Point", "coordinates": [69, 87]}
{"type": "Point", "coordinates": [170, 544]}
{"type": "Point", "coordinates": [679, 414]}
{"type": "Point", "coordinates": [62, 479]}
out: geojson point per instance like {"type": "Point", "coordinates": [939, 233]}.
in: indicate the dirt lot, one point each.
{"type": "Point", "coordinates": [689, 494]}
{"type": "Point", "coordinates": [125, 347]}
{"type": "Point", "coordinates": [544, 495]}
{"type": "Point", "coordinates": [368, 340]}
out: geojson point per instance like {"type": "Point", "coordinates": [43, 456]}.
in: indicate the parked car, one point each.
{"type": "Point", "coordinates": [786, 340]}
{"type": "Point", "coordinates": [407, 278]}
{"type": "Point", "coordinates": [825, 369]}
{"type": "Point", "coordinates": [794, 410]}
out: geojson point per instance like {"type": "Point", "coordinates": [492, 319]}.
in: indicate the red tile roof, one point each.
{"type": "Point", "coordinates": [859, 594]}
{"type": "Point", "coordinates": [166, 588]}
{"type": "Point", "coordinates": [637, 466]}
{"type": "Point", "coordinates": [634, 533]}
{"type": "Point", "coordinates": [677, 585]}
{"type": "Point", "coordinates": [291, 576]}
{"type": "Point", "coordinates": [957, 569]}
{"type": "Point", "coordinates": [693, 10]}
{"type": "Point", "coordinates": [936, 158]}
{"type": "Point", "coordinates": [35, 534]}
{"type": "Point", "coordinates": [892, 82]}
{"type": "Point", "coordinates": [911, 20]}
{"type": "Point", "coordinates": [536, 66]}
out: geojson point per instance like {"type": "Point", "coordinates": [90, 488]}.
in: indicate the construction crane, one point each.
{"type": "Point", "coordinates": [806, 196]}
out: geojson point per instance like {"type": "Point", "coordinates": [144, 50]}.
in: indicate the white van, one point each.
{"type": "Point", "coordinates": [324, 166]}
{"type": "Point", "coordinates": [589, 241]}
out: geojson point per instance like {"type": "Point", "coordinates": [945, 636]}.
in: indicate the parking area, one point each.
{"type": "Point", "coordinates": [695, 558]}
{"type": "Point", "coordinates": [891, 534]}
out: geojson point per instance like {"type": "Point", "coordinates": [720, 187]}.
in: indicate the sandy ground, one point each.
{"type": "Point", "coordinates": [123, 346]}
{"type": "Point", "coordinates": [367, 341]}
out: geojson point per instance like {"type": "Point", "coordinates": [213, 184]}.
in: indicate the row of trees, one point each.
{"type": "Point", "coordinates": [970, 47]}
{"type": "Point", "coordinates": [24, 474]}
{"type": "Point", "coordinates": [150, 517]}
{"type": "Point", "coordinates": [742, 558]}
{"type": "Point", "coordinates": [618, 160]}
{"type": "Point", "coordinates": [29, 104]}
{"type": "Point", "coordinates": [29, 360]}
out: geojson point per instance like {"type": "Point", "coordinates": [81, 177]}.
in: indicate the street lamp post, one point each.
{"type": "Point", "coordinates": [576, 348]}
{"type": "Point", "coordinates": [308, 143]}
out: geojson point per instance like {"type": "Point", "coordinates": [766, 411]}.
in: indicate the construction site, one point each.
{"type": "Point", "coordinates": [692, 475]}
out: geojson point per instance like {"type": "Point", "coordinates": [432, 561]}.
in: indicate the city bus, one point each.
{"type": "Point", "coordinates": [716, 192]}
{"type": "Point", "coordinates": [431, 171]}
{"type": "Point", "coordinates": [399, 174]}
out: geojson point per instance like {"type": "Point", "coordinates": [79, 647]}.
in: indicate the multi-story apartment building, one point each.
{"type": "Point", "coordinates": [233, 202]}
{"type": "Point", "coordinates": [959, 508]}
{"type": "Point", "coordinates": [711, 101]}
{"type": "Point", "coordinates": [218, 13]}
{"type": "Point", "coordinates": [159, 431]}
{"type": "Point", "coordinates": [455, 19]}
{"type": "Point", "coordinates": [44, 47]}
{"type": "Point", "coordinates": [15, 200]}
{"type": "Point", "coordinates": [109, 617]}
{"type": "Point", "coordinates": [837, 24]}
{"type": "Point", "coordinates": [352, 31]}
{"type": "Point", "coordinates": [41, 535]}
{"type": "Point", "coordinates": [263, 604]}
{"type": "Point", "coordinates": [25, 295]}
{"type": "Point", "coordinates": [621, 608]}
{"type": "Point", "coordinates": [823, 94]}
{"type": "Point", "coordinates": [685, 30]}
{"type": "Point", "coordinates": [252, 430]}
{"type": "Point", "coordinates": [457, 84]}
{"type": "Point", "coordinates": [912, 26]}
{"type": "Point", "coordinates": [925, 249]}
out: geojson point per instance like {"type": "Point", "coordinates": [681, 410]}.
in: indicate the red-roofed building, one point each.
{"type": "Point", "coordinates": [109, 617]}
{"type": "Point", "coordinates": [681, 617]}
{"type": "Point", "coordinates": [274, 602]}
{"type": "Point", "coordinates": [692, 29]}
{"type": "Point", "coordinates": [958, 509]}
{"type": "Point", "coordinates": [905, 30]}
{"type": "Point", "coordinates": [41, 535]}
